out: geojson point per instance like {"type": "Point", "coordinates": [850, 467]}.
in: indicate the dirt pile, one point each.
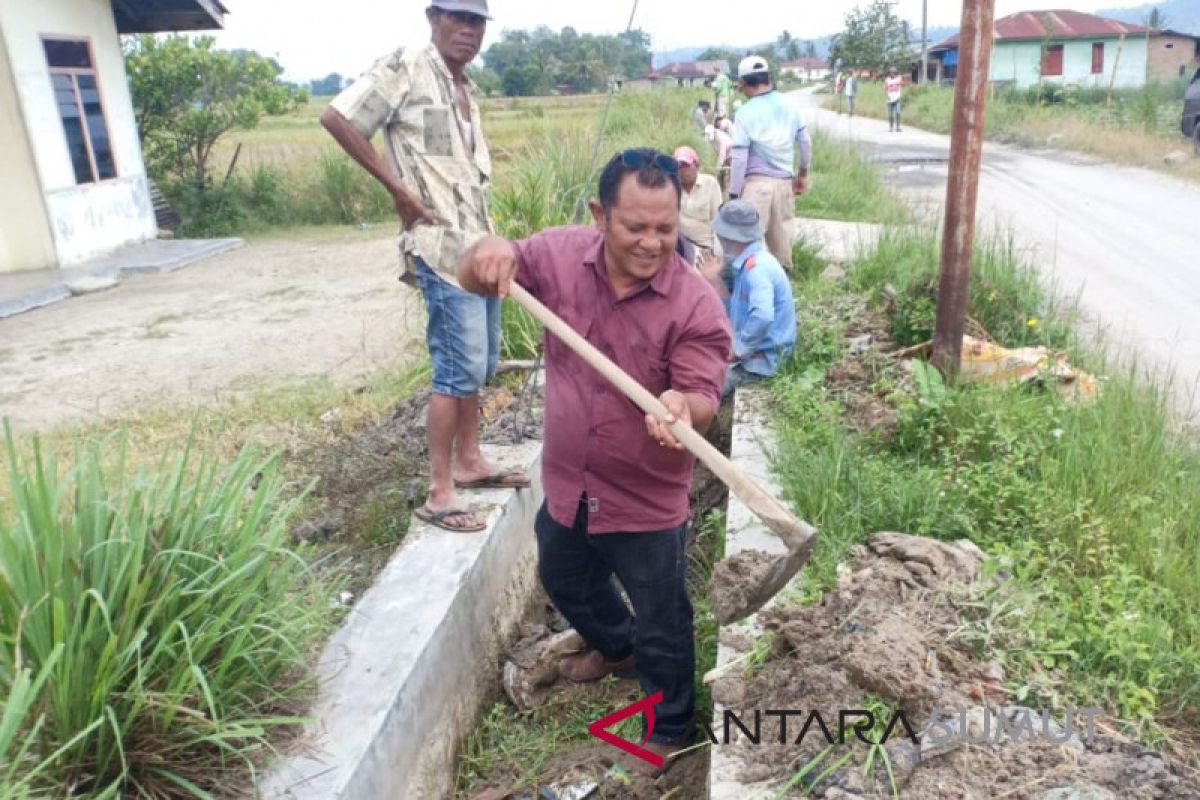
{"type": "Point", "coordinates": [890, 635]}
{"type": "Point", "coordinates": [369, 480]}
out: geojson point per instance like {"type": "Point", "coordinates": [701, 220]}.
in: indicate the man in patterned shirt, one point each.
{"type": "Point", "coordinates": [438, 172]}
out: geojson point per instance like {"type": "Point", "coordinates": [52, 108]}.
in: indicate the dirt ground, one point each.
{"type": "Point", "coordinates": [891, 631]}
{"type": "Point", "coordinates": [318, 303]}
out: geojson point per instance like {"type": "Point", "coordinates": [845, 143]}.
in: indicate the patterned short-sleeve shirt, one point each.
{"type": "Point", "coordinates": [410, 96]}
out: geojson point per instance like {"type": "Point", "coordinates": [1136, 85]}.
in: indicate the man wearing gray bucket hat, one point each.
{"type": "Point", "coordinates": [438, 172]}
{"type": "Point", "coordinates": [758, 297]}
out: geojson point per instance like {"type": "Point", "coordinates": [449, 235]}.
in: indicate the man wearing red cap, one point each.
{"type": "Point", "coordinates": [700, 202]}
{"type": "Point", "coordinates": [438, 173]}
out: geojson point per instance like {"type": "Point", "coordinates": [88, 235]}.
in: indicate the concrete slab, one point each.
{"type": "Point", "coordinates": [752, 447]}
{"type": "Point", "coordinates": [840, 242]}
{"type": "Point", "coordinates": [25, 291]}
{"type": "Point", "coordinates": [405, 676]}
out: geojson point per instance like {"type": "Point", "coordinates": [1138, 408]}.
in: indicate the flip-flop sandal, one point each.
{"type": "Point", "coordinates": [441, 519]}
{"type": "Point", "coordinates": [504, 479]}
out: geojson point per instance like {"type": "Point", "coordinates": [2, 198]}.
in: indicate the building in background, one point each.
{"type": "Point", "coordinates": [75, 185]}
{"type": "Point", "coordinates": [1070, 47]}
{"type": "Point", "coordinates": [805, 69]}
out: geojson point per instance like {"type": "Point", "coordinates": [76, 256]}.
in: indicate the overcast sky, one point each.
{"type": "Point", "coordinates": [312, 38]}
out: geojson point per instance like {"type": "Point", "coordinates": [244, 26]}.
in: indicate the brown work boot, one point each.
{"type": "Point", "coordinates": [639, 767]}
{"type": "Point", "coordinates": [590, 665]}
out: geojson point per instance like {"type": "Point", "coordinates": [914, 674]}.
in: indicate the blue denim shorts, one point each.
{"type": "Point", "coordinates": [463, 335]}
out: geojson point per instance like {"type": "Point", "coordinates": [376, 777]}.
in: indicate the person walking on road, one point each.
{"type": "Point", "coordinates": [893, 87]}
{"type": "Point", "coordinates": [616, 480]}
{"type": "Point", "coordinates": [438, 174]}
{"type": "Point", "coordinates": [850, 91]}
{"type": "Point", "coordinates": [767, 132]}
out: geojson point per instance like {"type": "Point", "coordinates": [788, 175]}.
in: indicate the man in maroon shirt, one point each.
{"type": "Point", "coordinates": [616, 480]}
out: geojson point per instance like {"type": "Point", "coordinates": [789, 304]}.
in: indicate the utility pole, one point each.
{"type": "Point", "coordinates": [962, 188]}
{"type": "Point", "coordinates": [924, 76]}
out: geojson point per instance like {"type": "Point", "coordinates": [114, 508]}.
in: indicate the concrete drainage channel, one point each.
{"type": "Point", "coordinates": [403, 681]}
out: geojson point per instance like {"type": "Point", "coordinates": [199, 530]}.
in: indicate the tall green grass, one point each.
{"type": "Point", "coordinates": [845, 186]}
{"type": "Point", "coordinates": [1094, 508]}
{"type": "Point", "coordinates": [549, 178]}
{"type": "Point", "coordinates": [168, 623]}
{"type": "Point", "coordinates": [331, 189]}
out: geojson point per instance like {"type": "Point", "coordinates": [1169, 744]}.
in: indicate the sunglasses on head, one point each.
{"type": "Point", "coordinates": [640, 158]}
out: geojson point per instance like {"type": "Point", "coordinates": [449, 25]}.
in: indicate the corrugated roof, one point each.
{"type": "Point", "coordinates": [1054, 24]}
{"type": "Point", "coordinates": [806, 63]}
{"type": "Point", "coordinates": [691, 69]}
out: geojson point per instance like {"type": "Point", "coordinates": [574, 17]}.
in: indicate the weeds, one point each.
{"type": "Point", "coordinates": [1094, 508]}
{"type": "Point", "coordinates": [167, 622]}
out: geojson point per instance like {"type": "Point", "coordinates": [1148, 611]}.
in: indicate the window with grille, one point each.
{"type": "Point", "coordinates": [77, 96]}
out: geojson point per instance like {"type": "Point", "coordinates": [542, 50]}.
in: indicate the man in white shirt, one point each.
{"type": "Point", "coordinates": [893, 87]}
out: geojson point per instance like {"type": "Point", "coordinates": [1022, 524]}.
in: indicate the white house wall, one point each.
{"type": "Point", "coordinates": [87, 219]}
{"type": "Point", "coordinates": [1020, 62]}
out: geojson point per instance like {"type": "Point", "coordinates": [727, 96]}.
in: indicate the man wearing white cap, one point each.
{"type": "Point", "coordinates": [766, 134]}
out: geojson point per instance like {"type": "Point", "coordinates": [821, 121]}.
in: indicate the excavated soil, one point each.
{"type": "Point", "coordinates": [369, 480]}
{"type": "Point", "coordinates": [883, 634]}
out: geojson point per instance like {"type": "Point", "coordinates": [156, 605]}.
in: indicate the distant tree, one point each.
{"type": "Point", "coordinates": [786, 47]}
{"type": "Point", "coordinates": [485, 78]}
{"type": "Point", "coordinates": [874, 38]}
{"type": "Point", "coordinates": [535, 61]}
{"type": "Point", "coordinates": [1157, 19]}
{"type": "Point", "coordinates": [810, 49]}
{"type": "Point", "coordinates": [187, 95]}
{"type": "Point", "coordinates": [331, 84]}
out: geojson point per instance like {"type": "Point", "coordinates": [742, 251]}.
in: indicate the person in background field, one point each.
{"type": "Point", "coordinates": [893, 87]}
{"type": "Point", "coordinates": [700, 114]}
{"type": "Point", "coordinates": [766, 134]}
{"type": "Point", "coordinates": [718, 136]}
{"type": "Point", "coordinates": [722, 88]}
{"type": "Point", "coordinates": [839, 85]}
{"type": "Point", "coordinates": [757, 294]}
{"type": "Point", "coordinates": [699, 204]}
{"type": "Point", "coordinates": [850, 91]}
{"type": "Point", "coordinates": [437, 173]}
{"type": "Point", "coordinates": [616, 480]}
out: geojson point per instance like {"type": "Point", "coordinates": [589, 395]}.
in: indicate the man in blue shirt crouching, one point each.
{"type": "Point", "coordinates": [757, 294]}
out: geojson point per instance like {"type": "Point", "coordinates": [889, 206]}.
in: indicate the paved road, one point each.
{"type": "Point", "coordinates": [1125, 240]}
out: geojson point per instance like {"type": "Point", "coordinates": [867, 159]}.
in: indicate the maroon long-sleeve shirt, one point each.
{"type": "Point", "coordinates": [669, 333]}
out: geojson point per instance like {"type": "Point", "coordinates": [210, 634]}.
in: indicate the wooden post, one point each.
{"type": "Point", "coordinates": [1116, 64]}
{"type": "Point", "coordinates": [962, 188]}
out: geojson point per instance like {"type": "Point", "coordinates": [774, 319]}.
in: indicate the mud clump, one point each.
{"type": "Point", "coordinates": [368, 480]}
{"type": "Point", "coordinates": [736, 581]}
{"type": "Point", "coordinates": [888, 631]}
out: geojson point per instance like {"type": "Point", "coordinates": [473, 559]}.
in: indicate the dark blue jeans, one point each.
{"type": "Point", "coordinates": [577, 570]}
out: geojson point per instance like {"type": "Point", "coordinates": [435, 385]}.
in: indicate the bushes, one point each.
{"type": "Point", "coordinates": [168, 624]}
{"type": "Point", "coordinates": [332, 190]}
{"type": "Point", "coordinates": [1094, 509]}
